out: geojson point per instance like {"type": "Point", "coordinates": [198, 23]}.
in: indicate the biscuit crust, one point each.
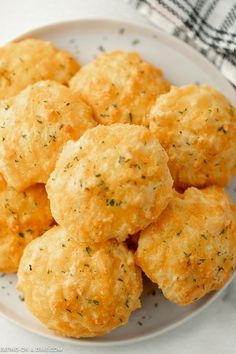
{"type": "Point", "coordinates": [35, 125]}
{"type": "Point", "coordinates": [79, 289]}
{"type": "Point", "coordinates": [115, 182]}
{"type": "Point", "coordinates": [191, 250]}
{"type": "Point", "coordinates": [197, 127]}
{"type": "Point", "coordinates": [28, 61]}
{"type": "Point", "coordinates": [23, 217]}
{"type": "Point", "coordinates": [120, 86]}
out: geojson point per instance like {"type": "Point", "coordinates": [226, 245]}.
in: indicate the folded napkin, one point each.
{"type": "Point", "coordinates": [207, 25]}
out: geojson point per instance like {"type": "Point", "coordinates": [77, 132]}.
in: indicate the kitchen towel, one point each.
{"type": "Point", "coordinates": [207, 25]}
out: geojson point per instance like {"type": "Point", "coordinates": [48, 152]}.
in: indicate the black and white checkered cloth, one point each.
{"type": "Point", "coordinates": [207, 25]}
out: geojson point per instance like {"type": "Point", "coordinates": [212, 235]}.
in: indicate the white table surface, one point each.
{"type": "Point", "coordinates": [213, 331]}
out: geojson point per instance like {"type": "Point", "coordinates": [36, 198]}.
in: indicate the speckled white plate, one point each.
{"type": "Point", "coordinates": [181, 65]}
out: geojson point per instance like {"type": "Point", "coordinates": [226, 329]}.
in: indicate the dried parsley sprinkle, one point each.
{"type": "Point", "coordinates": [135, 42]}
{"type": "Point", "coordinates": [113, 202]}
{"type": "Point", "coordinates": [130, 117]}
{"type": "Point", "coordinates": [204, 236]}
{"type": "Point", "coordinates": [21, 234]}
{"type": "Point", "coordinates": [101, 48]}
{"type": "Point", "coordinates": [29, 231]}
{"type": "Point", "coordinates": [95, 302]}
{"type": "Point", "coordinates": [187, 254]}
{"type": "Point", "coordinates": [178, 233]}
{"type": "Point", "coordinates": [21, 298]}
{"type": "Point", "coordinates": [201, 260]}
{"type": "Point", "coordinates": [222, 231]}
{"type": "Point", "coordinates": [98, 175]}
{"type": "Point", "coordinates": [67, 166]}
{"type": "Point", "coordinates": [181, 112]}
{"type": "Point", "coordinates": [7, 107]}
{"type": "Point", "coordinates": [53, 138]}
{"type": "Point", "coordinates": [222, 129]}
{"type": "Point", "coordinates": [88, 250]}
{"type": "Point", "coordinates": [127, 303]}
{"type": "Point", "coordinates": [121, 31]}
{"type": "Point", "coordinates": [30, 267]}
{"type": "Point", "coordinates": [39, 121]}
{"type": "Point", "coordinates": [121, 159]}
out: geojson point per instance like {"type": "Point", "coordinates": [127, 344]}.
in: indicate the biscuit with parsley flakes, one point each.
{"type": "Point", "coordinates": [120, 86]}
{"type": "Point", "coordinates": [23, 217]}
{"type": "Point", "coordinates": [79, 289]}
{"type": "Point", "coordinates": [114, 181]}
{"type": "Point", "coordinates": [25, 62]}
{"type": "Point", "coordinates": [197, 127]}
{"type": "Point", "coordinates": [191, 250]}
{"type": "Point", "coordinates": [34, 125]}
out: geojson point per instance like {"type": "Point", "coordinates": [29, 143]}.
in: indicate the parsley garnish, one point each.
{"type": "Point", "coordinates": [88, 250]}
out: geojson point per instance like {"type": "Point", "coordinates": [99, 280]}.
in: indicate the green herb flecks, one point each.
{"type": "Point", "coordinates": [113, 203]}
{"type": "Point", "coordinates": [88, 250]}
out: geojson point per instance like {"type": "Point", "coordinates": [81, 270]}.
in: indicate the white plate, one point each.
{"type": "Point", "coordinates": [182, 65]}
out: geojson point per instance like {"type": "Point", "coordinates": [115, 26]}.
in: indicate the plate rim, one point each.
{"type": "Point", "coordinates": [145, 27]}
{"type": "Point", "coordinates": [198, 58]}
{"type": "Point", "coordinates": [86, 342]}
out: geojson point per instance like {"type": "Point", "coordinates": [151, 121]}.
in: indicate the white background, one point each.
{"type": "Point", "coordinates": [214, 331]}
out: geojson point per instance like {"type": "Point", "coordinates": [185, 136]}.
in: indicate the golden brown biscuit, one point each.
{"type": "Point", "coordinates": [197, 127]}
{"type": "Point", "coordinates": [191, 250]}
{"type": "Point", "coordinates": [23, 217]}
{"type": "Point", "coordinates": [114, 181]}
{"type": "Point", "coordinates": [78, 289]}
{"type": "Point", "coordinates": [33, 128]}
{"type": "Point", "coordinates": [120, 86]}
{"type": "Point", "coordinates": [28, 61]}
